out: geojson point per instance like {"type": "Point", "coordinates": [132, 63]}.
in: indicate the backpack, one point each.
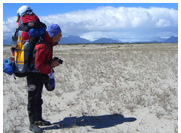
{"type": "Point", "coordinates": [29, 25]}
{"type": "Point", "coordinates": [25, 56]}
{"type": "Point", "coordinates": [24, 50]}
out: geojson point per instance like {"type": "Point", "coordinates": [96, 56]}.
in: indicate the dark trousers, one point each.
{"type": "Point", "coordinates": [35, 97]}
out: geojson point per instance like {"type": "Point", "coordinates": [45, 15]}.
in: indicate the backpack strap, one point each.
{"type": "Point", "coordinates": [15, 37]}
{"type": "Point", "coordinates": [43, 42]}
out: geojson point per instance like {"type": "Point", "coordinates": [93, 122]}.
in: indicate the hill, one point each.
{"type": "Point", "coordinates": [78, 40]}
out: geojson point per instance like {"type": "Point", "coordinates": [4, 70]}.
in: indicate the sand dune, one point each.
{"type": "Point", "coordinates": [130, 88]}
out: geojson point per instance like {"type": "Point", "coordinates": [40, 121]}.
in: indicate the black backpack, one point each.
{"type": "Point", "coordinates": [23, 52]}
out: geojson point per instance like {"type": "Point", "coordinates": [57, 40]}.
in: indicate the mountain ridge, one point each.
{"type": "Point", "coordinates": [78, 40]}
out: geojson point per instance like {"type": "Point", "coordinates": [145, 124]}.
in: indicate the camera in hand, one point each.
{"type": "Point", "coordinates": [60, 61]}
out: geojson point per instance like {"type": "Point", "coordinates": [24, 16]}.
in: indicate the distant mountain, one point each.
{"type": "Point", "coordinates": [172, 39]}
{"type": "Point", "coordinates": [73, 40]}
{"type": "Point", "coordinates": [78, 40]}
{"type": "Point", "coordinates": [105, 40]}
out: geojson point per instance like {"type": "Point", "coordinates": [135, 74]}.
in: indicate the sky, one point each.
{"type": "Point", "coordinates": [10, 9]}
{"type": "Point", "coordinates": [119, 21]}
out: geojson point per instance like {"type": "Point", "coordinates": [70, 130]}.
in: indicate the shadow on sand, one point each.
{"type": "Point", "coordinates": [96, 122]}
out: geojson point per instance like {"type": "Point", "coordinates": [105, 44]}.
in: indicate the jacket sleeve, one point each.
{"type": "Point", "coordinates": [42, 63]}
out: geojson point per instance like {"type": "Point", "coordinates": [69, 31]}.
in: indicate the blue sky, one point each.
{"type": "Point", "coordinates": [119, 21]}
{"type": "Point", "coordinates": [10, 9]}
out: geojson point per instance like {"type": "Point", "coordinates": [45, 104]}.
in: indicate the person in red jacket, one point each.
{"type": "Point", "coordinates": [39, 76]}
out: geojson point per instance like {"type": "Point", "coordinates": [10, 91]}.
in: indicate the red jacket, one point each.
{"type": "Point", "coordinates": [44, 55]}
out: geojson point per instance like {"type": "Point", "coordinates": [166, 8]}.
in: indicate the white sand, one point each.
{"type": "Point", "coordinates": [129, 88]}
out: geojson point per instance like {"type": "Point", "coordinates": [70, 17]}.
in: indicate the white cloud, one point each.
{"type": "Point", "coordinates": [163, 23]}
{"type": "Point", "coordinates": [110, 22]}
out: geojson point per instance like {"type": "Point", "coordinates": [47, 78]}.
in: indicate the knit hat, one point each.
{"type": "Point", "coordinates": [53, 30]}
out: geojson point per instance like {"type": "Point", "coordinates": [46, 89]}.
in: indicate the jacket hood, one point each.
{"type": "Point", "coordinates": [47, 38]}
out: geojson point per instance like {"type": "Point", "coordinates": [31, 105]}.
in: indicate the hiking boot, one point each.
{"type": "Point", "coordinates": [35, 128]}
{"type": "Point", "coordinates": [43, 123]}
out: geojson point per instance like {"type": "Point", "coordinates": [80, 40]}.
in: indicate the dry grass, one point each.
{"type": "Point", "coordinates": [104, 79]}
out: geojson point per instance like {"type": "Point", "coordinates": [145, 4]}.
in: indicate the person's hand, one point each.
{"type": "Point", "coordinates": [55, 63]}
